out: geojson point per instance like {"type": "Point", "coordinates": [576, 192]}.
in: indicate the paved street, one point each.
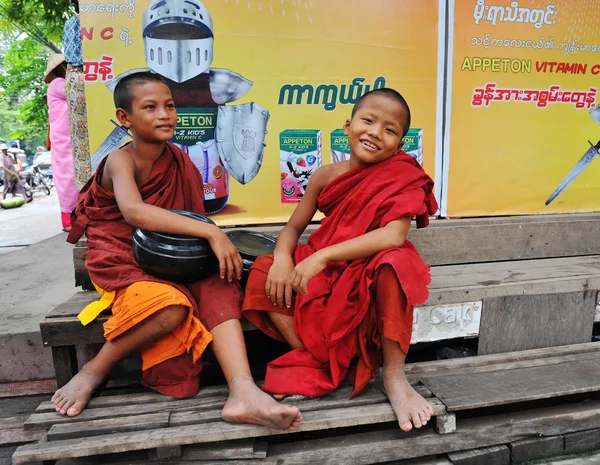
{"type": "Point", "coordinates": [36, 274]}
{"type": "Point", "coordinates": [31, 223]}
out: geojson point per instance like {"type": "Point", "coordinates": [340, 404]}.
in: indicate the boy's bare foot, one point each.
{"type": "Point", "coordinates": [248, 404]}
{"type": "Point", "coordinates": [408, 405]}
{"type": "Point", "coordinates": [71, 399]}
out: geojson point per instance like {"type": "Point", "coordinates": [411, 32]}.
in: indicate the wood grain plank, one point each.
{"type": "Point", "coordinates": [46, 420]}
{"type": "Point", "coordinates": [591, 349]}
{"type": "Point", "coordinates": [64, 359]}
{"type": "Point", "coordinates": [86, 429]}
{"type": "Point", "coordinates": [139, 398]}
{"type": "Point", "coordinates": [459, 392]}
{"type": "Point", "coordinates": [27, 388]}
{"type": "Point", "coordinates": [465, 283]}
{"type": "Point", "coordinates": [390, 445]}
{"type": "Point", "coordinates": [582, 441]}
{"type": "Point", "coordinates": [74, 305]}
{"type": "Point", "coordinates": [67, 331]}
{"type": "Point", "coordinates": [513, 323]}
{"type": "Point", "coordinates": [230, 450]}
{"type": "Point", "coordinates": [493, 455]}
{"type": "Point", "coordinates": [194, 434]}
{"type": "Point", "coordinates": [19, 436]}
{"type": "Point", "coordinates": [506, 366]}
{"type": "Point", "coordinates": [536, 448]}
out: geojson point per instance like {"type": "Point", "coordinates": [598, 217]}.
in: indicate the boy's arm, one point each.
{"type": "Point", "coordinates": [390, 236]}
{"type": "Point", "coordinates": [303, 214]}
{"type": "Point", "coordinates": [120, 168]}
{"type": "Point", "coordinates": [278, 287]}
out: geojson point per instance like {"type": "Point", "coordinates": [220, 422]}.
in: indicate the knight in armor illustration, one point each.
{"type": "Point", "coordinates": [178, 42]}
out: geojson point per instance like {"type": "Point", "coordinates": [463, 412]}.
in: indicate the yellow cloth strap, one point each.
{"type": "Point", "coordinates": [91, 311]}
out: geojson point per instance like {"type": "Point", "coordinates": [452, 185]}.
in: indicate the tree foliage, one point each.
{"type": "Point", "coordinates": [42, 20]}
{"type": "Point", "coordinates": [31, 30]}
{"type": "Point", "coordinates": [22, 81]}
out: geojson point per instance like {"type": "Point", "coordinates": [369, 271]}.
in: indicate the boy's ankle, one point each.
{"type": "Point", "coordinates": [239, 381]}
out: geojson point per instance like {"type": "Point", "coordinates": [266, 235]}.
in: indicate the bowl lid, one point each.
{"type": "Point", "coordinates": [175, 245]}
{"type": "Point", "coordinates": [251, 244]}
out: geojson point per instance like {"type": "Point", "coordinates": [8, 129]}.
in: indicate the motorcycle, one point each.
{"type": "Point", "coordinates": [35, 181]}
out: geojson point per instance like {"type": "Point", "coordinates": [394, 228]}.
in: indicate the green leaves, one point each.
{"type": "Point", "coordinates": [31, 30]}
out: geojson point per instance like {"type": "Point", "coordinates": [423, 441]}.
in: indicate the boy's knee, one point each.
{"type": "Point", "coordinates": [171, 317]}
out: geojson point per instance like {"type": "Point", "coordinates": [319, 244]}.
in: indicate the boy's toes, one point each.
{"type": "Point", "coordinates": [416, 420]}
{"type": "Point", "coordinates": [59, 403]}
{"type": "Point", "coordinates": [296, 422]}
{"type": "Point", "coordinates": [76, 409]}
{"type": "Point", "coordinates": [404, 422]}
{"type": "Point", "coordinates": [65, 407]}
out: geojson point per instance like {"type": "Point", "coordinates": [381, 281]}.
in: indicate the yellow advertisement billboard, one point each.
{"type": "Point", "coordinates": [262, 87]}
{"type": "Point", "coordinates": [523, 78]}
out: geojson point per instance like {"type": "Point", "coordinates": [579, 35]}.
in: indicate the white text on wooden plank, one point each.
{"type": "Point", "coordinates": [450, 321]}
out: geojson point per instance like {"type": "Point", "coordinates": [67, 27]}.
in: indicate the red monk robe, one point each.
{"type": "Point", "coordinates": [337, 321]}
{"type": "Point", "coordinates": [174, 183]}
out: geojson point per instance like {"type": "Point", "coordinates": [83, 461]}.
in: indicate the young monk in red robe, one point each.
{"type": "Point", "coordinates": [170, 324]}
{"type": "Point", "coordinates": [358, 278]}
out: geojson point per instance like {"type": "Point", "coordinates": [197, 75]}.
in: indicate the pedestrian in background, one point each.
{"type": "Point", "coordinates": [61, 154]}
{"type": "Point", "coordinates": [12, 182]}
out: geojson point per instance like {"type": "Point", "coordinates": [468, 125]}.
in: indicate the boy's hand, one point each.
{"type": "Point", "coordinates": [305, 270]}
{"type": "Point", "coordinates": [230, 262]}
{"type": "Point", "coordinates": [278, 287]}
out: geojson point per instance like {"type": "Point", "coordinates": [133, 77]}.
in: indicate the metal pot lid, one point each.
{"type": "Point", "coordinates": [251, 244]}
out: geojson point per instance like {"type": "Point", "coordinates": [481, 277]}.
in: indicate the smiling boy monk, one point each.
{"type": "Point", "coordinates": [358, 278]}
{"type": "Point", "coordinates": [171, 324]}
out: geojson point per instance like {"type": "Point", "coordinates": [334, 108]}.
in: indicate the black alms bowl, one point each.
{"type": "Point", "coordinates": [172, 257]}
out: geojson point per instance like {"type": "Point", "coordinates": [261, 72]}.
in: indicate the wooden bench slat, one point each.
{"type": "Point", "coordinates": [139, 398]}
{"type": "Point", "coordinates": [93, 428]}
{"type": "Point", "coordinates": [230, 450]}
{"type": "Point", "coordinates": [195, 434]}
{"type": "Point", "coordinates": [508, 360]}
{"type": "Point", "coordinates": [46, 420]}
{"type": "Point", "coordinates": [477, 281]}
{"type": "Point", "coordinates": [68, 331]}
{"type": "Point", "coordinates": [391, 445]}
{"type": "Point", "coordinates": [74, 305]}
{"type": "Point", "coordinates": [478, 390]}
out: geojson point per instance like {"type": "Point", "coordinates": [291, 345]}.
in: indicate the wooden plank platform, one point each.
{"type": "Point", "coordinates": [477, 281]}
{"type": "Point", "coordinates": [149, 421]}
{"type": "Point", "coordinates": [368, 447]}
{"type": "Point", "coordinates": [487, 389]}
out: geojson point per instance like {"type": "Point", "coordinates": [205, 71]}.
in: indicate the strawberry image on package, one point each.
{"type": "Point", "coordinates": [300, 156]}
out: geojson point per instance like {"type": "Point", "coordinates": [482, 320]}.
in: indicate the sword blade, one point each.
{"type": "Point", "coordinates": [114, 140]}
{"type": "Point", "coordinates": [581, 165]}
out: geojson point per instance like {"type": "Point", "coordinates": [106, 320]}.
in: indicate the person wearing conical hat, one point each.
{"type": "Point", "coordinates": [61, 153]}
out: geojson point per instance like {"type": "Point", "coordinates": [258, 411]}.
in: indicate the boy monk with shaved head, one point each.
{"type": "Point", "coordinates": [171, 324]}
{"type": "Point", "coordinates": [358, 278]}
